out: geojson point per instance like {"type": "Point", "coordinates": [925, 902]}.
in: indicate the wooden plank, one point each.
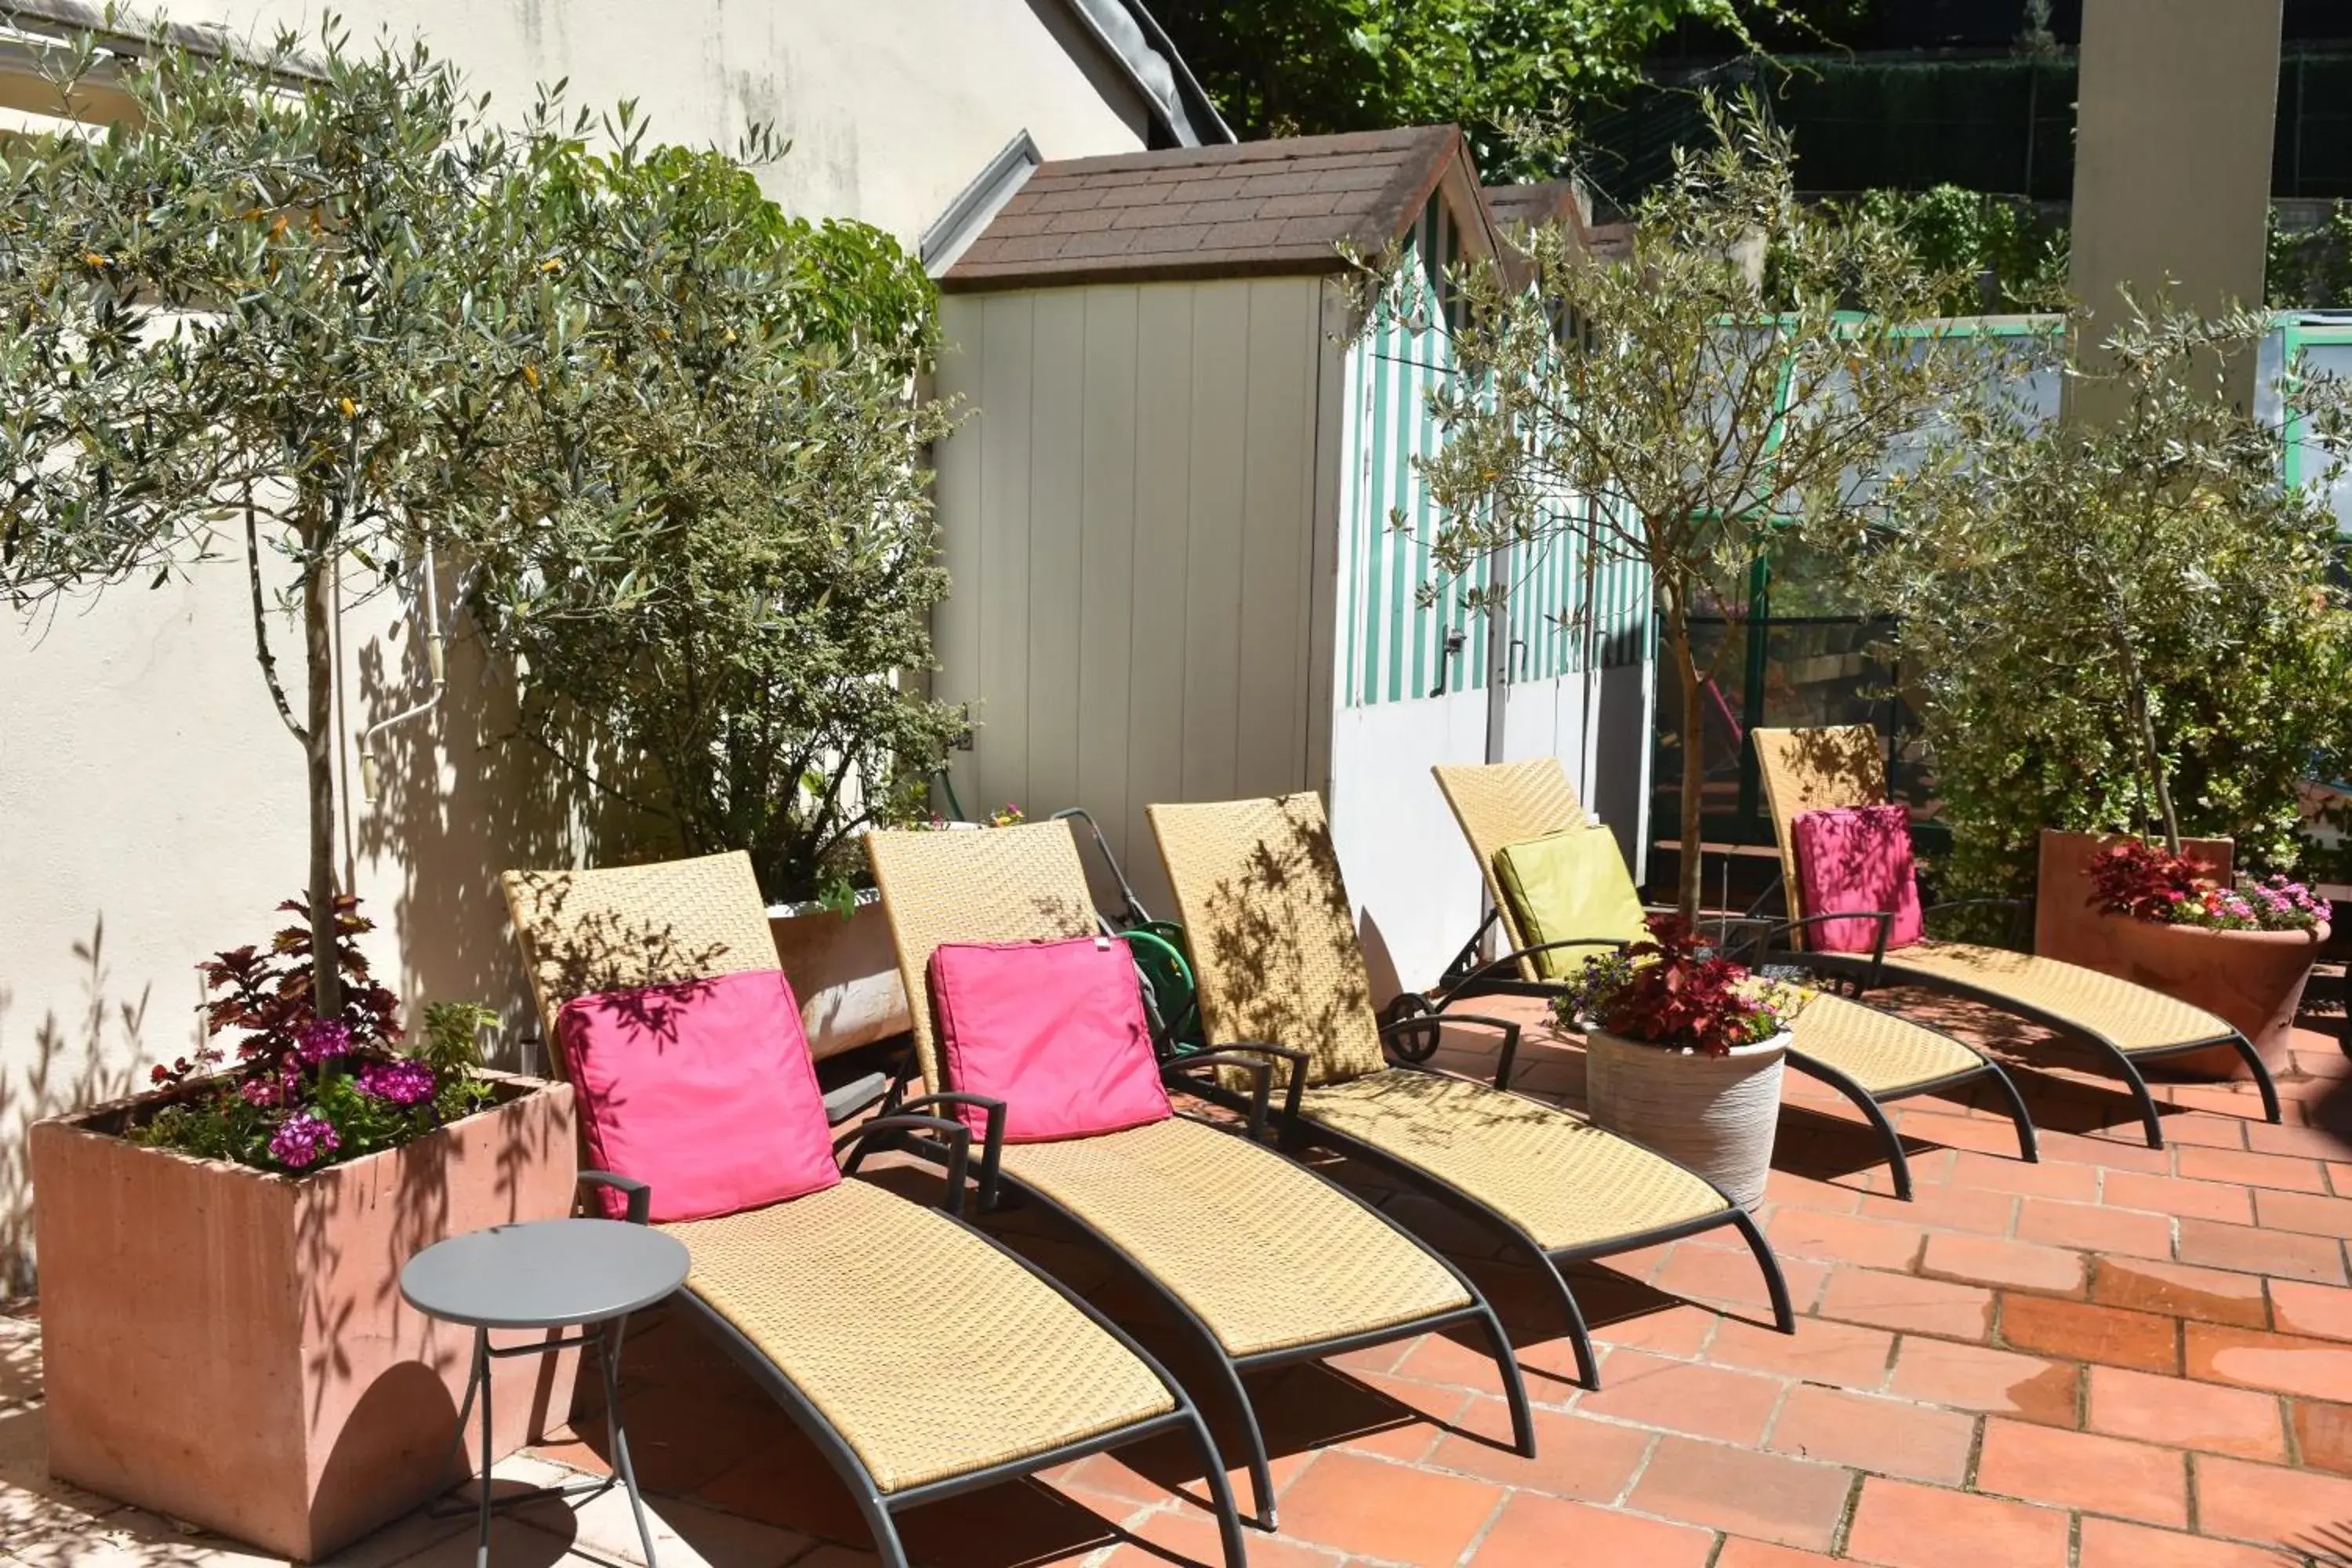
{"type": "Point", "coordinates": [1163, 420]}
{"type": "Point", "coordinates": [1277, 495]}
{"type": "Point", "coordinates": [1056, 447]}
{"type": "Point", "coordinates": [957, 465]}
{"type": "Point", "coordinates": [1213, 556]}
{"type": "Point", "coordinates": [1107, 585]}
{"type": "Point", "coordinates": [1000, 709]}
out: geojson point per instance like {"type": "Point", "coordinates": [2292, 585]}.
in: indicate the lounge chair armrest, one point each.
{"type": "Point", "coordinates": [639, 1193]}
{"type": "Point", "coordinates": [992, 1145]}
{"type": "Point", "coordinates": [1441, 1018]}
{"type": "Point", "coordinates": [958, 1136]}
{"type": "Point", "coordinates": [1762, 948]}
{"type": "Point", "coordinates": [2017, 908]}
{"type": "Point", "coordinates": [1507, 967]}
{"type": "Point", "coordinates": [1258, 1056]}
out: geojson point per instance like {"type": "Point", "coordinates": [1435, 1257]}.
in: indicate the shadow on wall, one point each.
{"type": "Point", "coordinates": [64, 1071]}
{"type": "Point", "coordinates": [461, 799]}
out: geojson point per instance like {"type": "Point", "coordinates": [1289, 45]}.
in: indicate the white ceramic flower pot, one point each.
{"type": "Point", "coordinates": [1715, 1114]}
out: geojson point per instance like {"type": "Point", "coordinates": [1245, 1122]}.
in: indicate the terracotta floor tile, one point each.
{"type": "Point", "coordinates": [1763, 1496]}
{"type": "Point", "coordinates": [1909, 1526]}
{"type": "Point", "coordinates": [1683, 1396]}
{"type": "Point", "coordinates": [2111, 1544]}
{"type": "Point", "coordinates": [1738, 1553]}
{"type": "Point", "coordinates": [2172, 1195]}
{"type": "Point", "coordinates": [1387, 1510]}
{"type": "Point", "coordinates": [2095, 1227]}
{"type": "Point", "coordinates": [1442, 1360]}
{"type": "Point", "coordinates": [1949, 1208]}
{"type": "Point", "coordinates": [2084, 1470]}
{"type": "Point", "coordinates": [2295, 1174]}
{"type": "Point", "coordinates": [1720, 1274]}
{"type": "Point", "coordinates": [1544, 1533]}
{"type": "Point", "coordinates": [1996, 1260]}
{"type": "Point", "coordinates": [2298, 1509]}
{"type": "Point", "coordinates": [1576, 1457]}
{"type": "Point", "coordinates": [2202, 1415]}
{"type": "Point", "coordinates": [2220, 1121]}
{"type": "Point", "coordinates": [1189, 1535]}
{"type": "Point", "coordinates": [1976, 1377]}
{"type": "Point", "coordinates": [1907, 1304]}
{"type": "Point", "coordinates": [2118, 1147]}
{"type": "Point", "coordinates": [2313, 1369]}
{"type": "Point", "coordinates": [1677, 1329]}
{"type": "Point", "coordinates": [2319, 1309]}
{"type": "Point", "coordinates": [1788, 1190]}
{"type": "Point", "coordinates": [1891, 1437]}
{"type": "Point", "coordinates": [2339, 1178]}
{"type": "Point", "coordinates": [2302, 1212]}
{"type": "Point", "coordinates": [2323, 1436]}
{"type": "Point", "coordinates": [2180, 1290]}
{"type": "Point", "coordinates": [2310, 1143]}
{"type": "Point", "coordinates": [1844, 1238]}
{"type": "Point", "coordinates": [2082, 1331]}
{"type": "Point", "coordinates": [1821, 1351]}
{"type": "Point", "coordinates": [2318, 1258]}
{"type": "Point", "coordinates": [1988, 1173]}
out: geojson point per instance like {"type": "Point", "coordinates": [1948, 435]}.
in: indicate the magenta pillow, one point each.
{"type": "Point", "coordinates": [701, 1088]}
{"type": "Point", "coordinates": [1857, 858]}
{"type": "Point", "coordinates": [1054, 1029]}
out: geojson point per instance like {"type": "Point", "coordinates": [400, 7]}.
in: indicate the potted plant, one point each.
{"type": "Point", "coordinates": [718, 583]}
{"type": "Point", "coordinates": [2243, 949]}
{"type": "Point", "coordinates": [222, 1336]}
{"type": "Point", "coordinates": [1685, 1050]}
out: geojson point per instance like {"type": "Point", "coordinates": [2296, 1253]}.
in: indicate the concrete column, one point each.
{"type": "Point", "coordinates": [2176, 112]}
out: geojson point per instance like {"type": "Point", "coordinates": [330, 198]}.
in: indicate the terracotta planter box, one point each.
{"type": "Point", "coordinates": [2065, 926]}
{"type": "Point", "coordinates": [2253, 979]}
{"type": "Point", "coordinates": [845, 971]}
{"type": "Point", "coordinates": [229, 1347]}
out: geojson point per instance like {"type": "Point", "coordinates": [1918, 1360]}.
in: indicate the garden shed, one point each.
{"type": "Point", "coordinates": [1169, 520]}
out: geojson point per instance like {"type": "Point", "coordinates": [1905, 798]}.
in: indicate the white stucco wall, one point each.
{"type": "Point", "coordinates": [151, 804]}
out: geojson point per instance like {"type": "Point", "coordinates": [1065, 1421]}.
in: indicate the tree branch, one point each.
{"type": "Point", "coordinates": [261, 626]}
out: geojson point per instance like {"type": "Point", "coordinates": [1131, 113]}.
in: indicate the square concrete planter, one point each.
{"type": "Point", "coordinates": [229, 1346]}
{"type": "Point", "coordinates": [844, 970]}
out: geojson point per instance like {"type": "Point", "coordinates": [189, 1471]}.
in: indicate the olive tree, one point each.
{"type": "Point", "coordinates": [718, 559]}
{"type": "Point", "coordinates": [2128, 623]}
{"type": "Point", "coordinates": [1729, 374]}
{"type": "Point", "coordinates": [273, 307]}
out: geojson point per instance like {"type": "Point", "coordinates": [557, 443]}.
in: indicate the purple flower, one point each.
{"type": "Point", "coordinates": [302, 1139]}
{"type": "Point", "coordinates": [263, 1092]}
{"type": "Point", "coordinates": [401, 1081]}
{"type": "Point", "coordinates": [322, 1039]}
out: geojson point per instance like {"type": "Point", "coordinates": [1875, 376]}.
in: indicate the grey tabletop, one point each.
{"type": "Point", "coordinates": [544, 1274]}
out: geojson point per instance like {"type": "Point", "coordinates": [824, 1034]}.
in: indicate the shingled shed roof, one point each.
{"type": "Point", "coordinates": [1254, 209]}
{"type": "Point", "coordinates": [1537, 203]}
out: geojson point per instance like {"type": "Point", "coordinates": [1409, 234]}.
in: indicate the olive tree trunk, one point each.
{"type": "Point", "coordinates": [319, 751]}
{"type": "Point", "coordinates": [1689, 869]}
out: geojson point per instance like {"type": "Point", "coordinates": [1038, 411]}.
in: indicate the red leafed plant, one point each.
{"type": "Point", "coordinates": [2132, 876]}
{"type": "Point", "coordinates": [1677, 992]}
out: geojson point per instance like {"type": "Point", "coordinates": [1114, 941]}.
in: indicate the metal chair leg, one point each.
{"type": "Point", "coordinates": [885, 1531]}
{"type": "Point", "coordinates": [1588, 1365]}
{"type": "Point", "coordinates": [1221, 1495]}
{"type": "Point", "coordinates": [1784, 1316]}
{"type": "Point", "coordinates": [1872, 1111]}
{"type": "Point", "coordinates": [2029, 1142]}
{"type": "Point", "coordinates": [1253, 1437]}
{"type": "Point", "coordinates": [1514, 1388]}
{"type": "Point", "coordinates": [2269, 1089]}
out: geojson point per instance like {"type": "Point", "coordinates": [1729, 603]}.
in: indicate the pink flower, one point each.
{"type": "Point", "coordinates": [401, 1081]}
{"type": "Point", "coordinates": [322, 1039]}
{"type": "Point", "coordinates": [263, 1092]}
{"type": "Point", "coordinates": [302, 1139]}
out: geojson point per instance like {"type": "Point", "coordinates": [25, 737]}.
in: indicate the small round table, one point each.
{"type": "Point", "coordinates": [546, 1274]}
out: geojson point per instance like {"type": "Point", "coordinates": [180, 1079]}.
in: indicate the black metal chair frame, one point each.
{"type": "Point", "coordinates": [1868, 971]}
{"type": "Point", "coordinates": [878, 1507]}
{"type": "Point", "coordinates": [994, 1182]}
{"type": "Point", "coordinates": [1298, 1131]}
{"type": "Point", "coordinates": [1500, 977]}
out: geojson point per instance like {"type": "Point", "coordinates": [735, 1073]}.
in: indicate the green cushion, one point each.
{"type": "Point", "coordinates": [1572, 883]}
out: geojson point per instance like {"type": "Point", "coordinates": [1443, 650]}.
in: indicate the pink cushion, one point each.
{"type": "Point", "coordinates": [1054, 1029]}
{"type": "Point", "coordinates": [1857, 858]}
{"type": "Point", "coordinates": [702, 1089]}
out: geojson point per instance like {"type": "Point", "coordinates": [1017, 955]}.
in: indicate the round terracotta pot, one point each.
{"type": "Point", "coordinates": [2253, 979]}
{"type": "Point", "coordinates": [1715, 1114]}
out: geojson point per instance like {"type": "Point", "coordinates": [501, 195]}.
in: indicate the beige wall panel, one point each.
{"type": "Point", "coordinates": [1001, 707]}
{"type": "Point", "coordinates": [960, 461]}
{"type": "Point", "coordinates": [1212, 546]}
{"type": "Point", "coordinates": [1278, 487]}
{"type": "Point", "coordinates": [1056, 466]}
{"type": "Point", "coordinates": [1108, 592]}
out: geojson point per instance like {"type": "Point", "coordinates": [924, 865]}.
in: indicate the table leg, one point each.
{"type": "Point", "coordinates": [617, 1437]}
{"type": "Point", "coordinates": [482, 1371]}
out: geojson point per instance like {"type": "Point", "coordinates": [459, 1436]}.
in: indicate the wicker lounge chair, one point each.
{"type": "Point", "coordinates": [921, 1358]}
{"type": "Point", "coordinates": [1262, 1261]}
{"type": "Point", "coordinates": [1868, 1056]}
{"type": "Point", "coordinates": [1809, 769]}
{"type": "Point", "coordinates": [1273, 938]}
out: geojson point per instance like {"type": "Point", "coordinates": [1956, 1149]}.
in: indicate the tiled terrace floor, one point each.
{"type": "Point", "coordinates": [2117, 1358]}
